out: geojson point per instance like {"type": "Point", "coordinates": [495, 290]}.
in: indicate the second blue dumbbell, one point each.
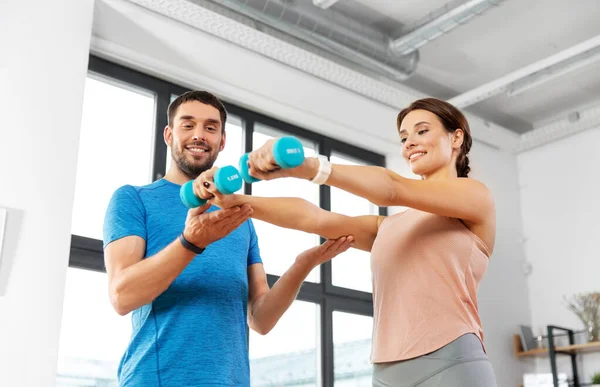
{"type": "Point", "coordinates": [288, 152]}
{"type": "Point", "coordinates": [227, 180]}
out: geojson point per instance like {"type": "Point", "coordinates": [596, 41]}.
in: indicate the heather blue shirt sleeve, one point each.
{"type": "Point", "coordinates": [253, 251]}
{"type": "Point", "coordinates": [125, 215]}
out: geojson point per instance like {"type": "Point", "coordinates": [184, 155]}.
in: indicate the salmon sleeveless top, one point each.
{"type": "Point", "coordinates": [426, 271]}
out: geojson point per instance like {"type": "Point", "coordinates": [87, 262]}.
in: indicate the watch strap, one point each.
{"type": "Point", "coordinates": [190, 246]}
{"type": "Point", "coordinates": [324, 170]}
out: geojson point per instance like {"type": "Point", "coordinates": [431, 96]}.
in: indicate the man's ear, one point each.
{"type": "Point", "coordinates": [168, 135]}
{"type": "Point", "coordinates": [223, 140]}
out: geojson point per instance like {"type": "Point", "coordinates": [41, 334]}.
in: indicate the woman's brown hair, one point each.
{"type": "Point", "coordinates": [452, 119]}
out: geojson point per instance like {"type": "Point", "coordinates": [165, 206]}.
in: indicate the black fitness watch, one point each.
{"type": "Point", "coordinates": [190, 246]}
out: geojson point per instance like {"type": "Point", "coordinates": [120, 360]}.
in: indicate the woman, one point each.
{"type": "Point", "coordinates": [427, 262]}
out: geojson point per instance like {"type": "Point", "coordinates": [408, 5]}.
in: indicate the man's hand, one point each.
{"type": "Point", "coordinates": [267, 305]}
{"type": "Point", "coordinates": [331, 248]}
{"type": "Point", "coordinates": [202, 229]}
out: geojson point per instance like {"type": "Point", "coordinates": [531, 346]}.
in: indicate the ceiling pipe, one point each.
{"type": "Point", "coordinates": [440, 22]}
{"type": "Point", "coordinates": [324, 3]}
{"type": "Point", "coordinates": [506, 83]}
{"type": "Point", "coordinates": [337, 34]}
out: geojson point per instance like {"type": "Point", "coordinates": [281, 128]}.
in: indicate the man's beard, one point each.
{"type": "Point", "coordinates": [193, 169]}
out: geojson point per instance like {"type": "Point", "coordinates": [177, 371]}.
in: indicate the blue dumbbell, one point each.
{"type": "Point", "coordinates": [288, 152]}
{"type": "Point", "coordinates": [227, 180]}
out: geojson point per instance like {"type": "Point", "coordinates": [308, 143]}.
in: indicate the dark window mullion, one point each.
{"type": "Point", "coordinates": [350, 305]}
{"type": "Point", "coordinates": [326, 309]}
{"type": "Point", "coordinates": [325, 203]}
{"type": "Point", "coordinates": [326, 355]}
{"type": "Point", "coordinates": [125, 75]}
{"type": "Point", "coordinates": [248, 143]}
{"type": "Point", "coordinates": [159, 164]}
{"type": "Point", "coordinates": [358, 153]}
{"type": "Point", "coordinates": [285, 127]}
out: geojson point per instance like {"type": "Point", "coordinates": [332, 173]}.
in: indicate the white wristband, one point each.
{"type": "Point", "coordinates": [324, 170]}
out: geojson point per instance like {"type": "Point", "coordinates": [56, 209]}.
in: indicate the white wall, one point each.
{"type": "Point", "coordinates": [560, 191]}
{"type": "Point", "coordinates": [503, 294]}
{"type": "Point", "coordinates": [41, 89]}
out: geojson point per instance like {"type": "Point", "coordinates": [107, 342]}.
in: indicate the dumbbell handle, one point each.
{"type": "Point", "coordinates": [227, 180]}
{"type": "Point", "coordinates": [288, 152]}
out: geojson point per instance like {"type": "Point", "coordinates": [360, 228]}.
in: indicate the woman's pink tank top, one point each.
{"type": "Point", "coordinates": [426, 271]}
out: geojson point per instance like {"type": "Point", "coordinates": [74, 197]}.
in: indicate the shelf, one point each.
{"type": "Point", "coordinates": [568, 349]}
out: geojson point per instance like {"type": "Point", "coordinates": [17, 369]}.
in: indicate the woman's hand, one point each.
{"type": "Point", "coordinates": [262, 165]}
{"type": "Point", "coordinates": [204, 185]}
{"type": "Point", "coordinates": [205, 188]}
{"type": "Point", "coordinates": [225, 201]}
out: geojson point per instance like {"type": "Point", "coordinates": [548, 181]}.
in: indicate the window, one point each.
{"type": "Point", "coordinates": [352, 349]}
{"type": "Point", "coordinates": [115, 148]}
{"type": "Point", "coordinates": [279, 246]}
{"type": "Point", "coordinates": [323, 339]}
{"type": "Point", "coordinates": [287, 356]}
{"type": "Point", "coordinates": [351, 269]}
{"type": "Point", "coordinates": [93, 336]}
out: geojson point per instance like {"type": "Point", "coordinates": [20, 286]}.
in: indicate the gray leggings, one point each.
{"type": "Point", "coordinates": [462, 363]}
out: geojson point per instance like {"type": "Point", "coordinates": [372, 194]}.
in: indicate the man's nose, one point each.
{"type": "Point", "coordinates": [199, 135]}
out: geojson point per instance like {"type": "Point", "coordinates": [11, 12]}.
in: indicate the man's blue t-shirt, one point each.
{"type": "Point", "coordinates": [194, 333]}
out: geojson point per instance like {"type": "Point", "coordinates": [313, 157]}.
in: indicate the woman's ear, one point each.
{"type": "Point", "coordinates": [457, 138]}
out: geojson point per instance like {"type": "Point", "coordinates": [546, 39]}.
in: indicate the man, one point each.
{"type": "Point", "coordinates": [193, 280]}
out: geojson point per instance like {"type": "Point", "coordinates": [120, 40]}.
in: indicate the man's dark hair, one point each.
{"type": "Point", "coordinates": [201, 96]}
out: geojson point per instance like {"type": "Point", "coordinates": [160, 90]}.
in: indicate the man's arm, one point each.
{"type": "Point", "coordinates": [266, 306]}
{"type": "Point", "coordinates": [134, 281]}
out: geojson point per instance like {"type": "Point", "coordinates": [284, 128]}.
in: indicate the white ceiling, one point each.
{"type": "Point", "coordinates": [473, 65]}
{"type": "Point", "coordinates": [504, 39]}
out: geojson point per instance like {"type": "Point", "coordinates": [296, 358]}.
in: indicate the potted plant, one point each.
{"type": "Point", "coordinates": [587, 307]}
{"type": "Point", "coordinates": [596, 379]}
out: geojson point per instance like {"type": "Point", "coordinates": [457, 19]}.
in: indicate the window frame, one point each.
{"type": "Point", "coordinates": [87, 253]}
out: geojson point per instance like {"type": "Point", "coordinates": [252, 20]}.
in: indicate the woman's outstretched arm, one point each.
{"type": "Point", "coordinates": [461, 198]}
{"type": "Point", "coordinates": [302, 215]}
{"type": "Point", "coordinates": [466, 199]}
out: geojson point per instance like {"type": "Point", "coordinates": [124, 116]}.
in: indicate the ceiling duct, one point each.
{"type": "Point", "coordinates": [450, 16]}
{"type": "Point", "coordinates": [329, 31]}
